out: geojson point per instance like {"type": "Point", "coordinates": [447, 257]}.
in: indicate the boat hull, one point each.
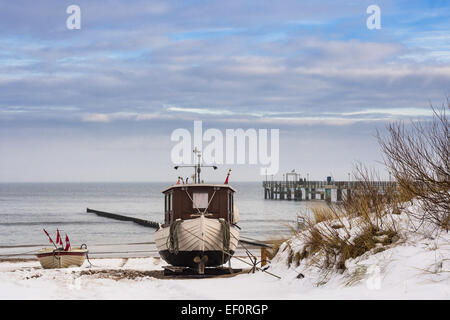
{"type": "Point", "coordinates": [200, 238]}
{"type": "Point", "coordinates": [186, 258]}
{"type": "Point", "coordinates": [50, 258]}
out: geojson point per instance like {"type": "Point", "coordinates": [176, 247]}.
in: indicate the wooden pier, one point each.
{"type": "Point", "coordinates": [328, 190]}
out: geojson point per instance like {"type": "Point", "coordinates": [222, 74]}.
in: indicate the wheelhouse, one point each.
{"type": "Point", "coordinates": [189, 201]}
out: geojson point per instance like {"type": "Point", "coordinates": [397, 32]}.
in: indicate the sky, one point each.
{"type": "Point", "coordinates": [100, 103]}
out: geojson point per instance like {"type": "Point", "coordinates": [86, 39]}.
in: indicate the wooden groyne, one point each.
{"type": "Point", "coordinates": [145, 223]}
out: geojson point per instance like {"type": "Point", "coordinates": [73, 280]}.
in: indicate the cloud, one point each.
{"type": "Point", "coordinates": [119, 116]}
{"type": "Point", "coordinates": [147, 68]}
{"type": "Point", "coordinates": [97, 117]}
{"type": "Point", "coordinates": [133, 65]}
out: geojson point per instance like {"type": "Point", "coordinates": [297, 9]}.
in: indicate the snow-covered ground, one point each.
{"type": "Point", "coordinates": [415, 270]}
{"type": "Point", "coordinates": [415, 267]}
{"type": "Point", "coordinates": [27, 280]}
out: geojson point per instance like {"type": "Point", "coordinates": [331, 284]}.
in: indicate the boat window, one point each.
{"type": "Point", "coordinates": [230, 206]}
{"type": "Point", "coordinates": [170, 202]}
{"type": "Point", "coordinates": [200, 200]}
{"type": "Point", "coordinates": [232, 203]}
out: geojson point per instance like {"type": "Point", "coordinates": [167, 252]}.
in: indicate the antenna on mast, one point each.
{"type": "Point", "coordinates": [197, 167]}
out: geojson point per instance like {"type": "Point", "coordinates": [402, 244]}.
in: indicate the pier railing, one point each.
{"type": "Point", "coordinates": [333, 191]}
{"type": "Point", "coordinates": [323, 184]}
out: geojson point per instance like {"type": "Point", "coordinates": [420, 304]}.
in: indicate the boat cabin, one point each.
{"type": "Point", "coordinates": [189, 201]}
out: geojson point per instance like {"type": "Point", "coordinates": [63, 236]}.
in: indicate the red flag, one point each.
{"type": "Point", "coordinates": [226, 180]}
{"type": "Point", "coordinates": [58, 238]}
{"type": "Point", "coordinates": [67, 244]}
{"type": "Point", "coordinates": [49, 238]}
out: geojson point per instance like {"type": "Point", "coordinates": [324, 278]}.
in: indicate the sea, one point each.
{"type": "Point", "coordinates": [27, 208]}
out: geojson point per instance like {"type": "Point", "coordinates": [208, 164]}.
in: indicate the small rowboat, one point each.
{"type": "Point", "coordinates": [51, 258]}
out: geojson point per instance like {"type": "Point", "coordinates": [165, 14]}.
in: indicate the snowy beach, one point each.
{"type": "Point", "coordinates": [198, 153]}
{"type": "Point", "coordinates": [416, 269]}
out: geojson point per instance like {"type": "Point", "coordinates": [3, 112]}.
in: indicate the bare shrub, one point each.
{"type": "Point", "coordinates": [418, 158]}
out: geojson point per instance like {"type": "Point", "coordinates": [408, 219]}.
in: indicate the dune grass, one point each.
{"type": "Point", "coordinates": [333, 234]}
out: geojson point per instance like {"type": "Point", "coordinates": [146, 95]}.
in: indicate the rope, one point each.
{"type": "Point", "coordinates": [251, 256]}
{"type": "Point", "coordinates": [209, 202]}
{"type": "Point", "coordinates": [192, 201]}
{"type": "Point", "coordinates": [87, 254]}
{"type": "Point", "coordinates": [225, 227]}
{"type": "Point", "coordinates": [172, 244]}
{"type": "Point", "coordinates": [19, 254]}
{"type": "Point", "coordinates": [56, 257]}
{"type": "Point", "coordinates": [206, 206]}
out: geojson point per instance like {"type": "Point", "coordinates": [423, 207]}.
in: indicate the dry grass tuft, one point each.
{"type": "Point", "coordinates": [322, 213]}
{"type": "Point", "coordinates": [335, 233]}
{"type": "Point", "coordinates": [275, 244]}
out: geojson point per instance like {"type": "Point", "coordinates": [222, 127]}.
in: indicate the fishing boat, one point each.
{"type": "Point", "coordinates": [51, 258]}
{"type": "Point", "coordinates": [61, 256]}
{"type": "Point", "coordinates": [200, 222]}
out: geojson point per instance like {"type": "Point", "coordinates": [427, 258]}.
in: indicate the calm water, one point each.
{"type": "Point", "coordinates": [26, 208]}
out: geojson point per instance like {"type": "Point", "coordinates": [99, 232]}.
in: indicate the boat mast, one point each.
{"type": "Point", "coordinates": [198, 170]}
{"type": "Point", "coordinates": [197, 167]}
